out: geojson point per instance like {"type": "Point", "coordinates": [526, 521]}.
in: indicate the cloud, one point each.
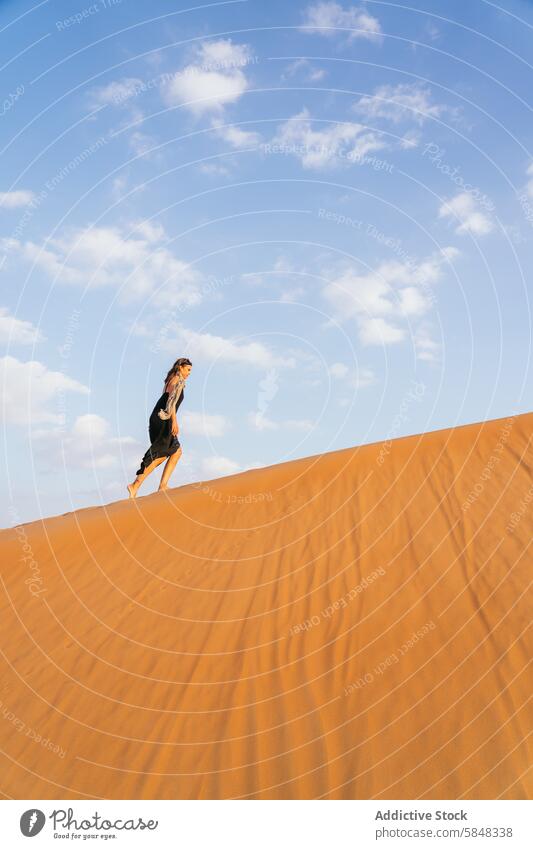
{"type": "Point", "coordinates": [259, 421]}
{"type": "Point", "coordinates": [152, 231]}
{"type": "Point", "coordinates": [205, 90]}
{"type": "Point", "coordinates": [214, 169]}
{"type": "Point", "coordinates": [298, 424]}
{"type": "Point", "coordinates": [235, 136]}
{"type": "Point", "coordinates": [410, 139]}
{"type": "Point", "coordinates": [432, 31]}
{"type": "Point", "coordinates": [339, 370]}
{"type": "Point", "coordinates": [360, 378]}
{"type": "Point", "coordinates": [403, 102]}
{"type": "Point", "coordinates": [383, 299]}
{"type": "Point", "coordinates": [364, 377]}
{"type": "Point", "coordinates": [529, 187]}
{"type": "Point", "coordinates": [288, 296]}
{"type": "Point", "coordinates": [426, 348]}
{"type": "Point", "coordinates": [116, 93]}
{"type": "Point", "coordinates": [306, 69]}
{"type": "Point", "coordinates": [15, 331]}
{"type": "Point", "coordinates": [351, 294]}
{"type": "Point", "coordinates": [339, 144]}
{"type": "Point", "coordinates": [467, 211]}
{"type": "Point", "coordinates": [213, 80]}
{"type": "Point", "coordinates": [217, 466]}
{"type": "Point", "coordinates": [30, 388]}
{"type": "Point", "coordinates": [378, 331]}
{"type": "Point", "coordinates": [412, 301]}
{"type": "Point", "coordinates": [224, 55]}
{"type": "Point", "coordinates": [89, 444]}
{"type": "Point", "coordinates": [327, 18]}
{"type": "Point", "coordinates": [124, 93]}
{"type": "Point", "coordinates": [277, 275]}
{"type": "Point", "coordinates": [208, 348]}
{"type": "Point", "coordinates": [204, 424]}
{"type": "Point", "coordinates": [278, 272]}
{"type": "Point", "coordinates": [136, 262]}
{"type": "Point", "coordinates": [142, 144]}
{"type": "Point", "coordinates": [11, 200]}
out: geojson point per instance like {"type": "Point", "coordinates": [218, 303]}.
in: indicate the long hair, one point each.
{"type": "Point", "coordinates": [183, 361]}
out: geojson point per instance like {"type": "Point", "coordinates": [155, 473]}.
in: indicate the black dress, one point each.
{"type": "Point", "coordinates": [163, 443]}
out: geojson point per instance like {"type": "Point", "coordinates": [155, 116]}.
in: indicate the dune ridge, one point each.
{"type": "Point", "coordinates": [354, 624]}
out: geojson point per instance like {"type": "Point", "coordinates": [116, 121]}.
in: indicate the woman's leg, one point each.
{"type": "Point", "coordinates": [133, 487]}
{"type": "Point", "coordinates": [169, 468]}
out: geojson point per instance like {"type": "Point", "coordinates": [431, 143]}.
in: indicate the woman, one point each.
{"type": "Point", "coordinates": [163, 428]}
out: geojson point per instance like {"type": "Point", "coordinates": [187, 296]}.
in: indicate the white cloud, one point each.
{"type": "Point", "coordinates": [89, 444]}
{"type": "Point", "coordinates": [529, 172]}
{"type": "Point", "coordinates": [305, 68]}
{"type": "Point", "coordinates": [338, 370]}
{"type": "Point", "coordinates": [426, 348]}
{"type": "Point", "coordinates": [328, 17]}
{"type": "Point", "coordinates": [403, 102]}
{"type": "Point", "coordinates": [142, 144]}
{"type": "Point", "coordinates": [283, 265]}
{"type": "Point", "coordinates": [214, 169]}
{"type": "Point", "coordinates": [152, 231]}
{"type": "Point", "coordinates": [364, 377]}
{"type": "Point", "coordinates": [123, 93]}
{"type": "Point", "coordinates": [205, 90]}
{"type": "Point", "coordinates": [137, 263]}
{"type": "Point", "coordinates": [11, 200]}
{"type": "Point", "coordinates": [360, 378]}
{"type": "Point", "coordinates": [253, 278]}
{"type": "Point", "coordinates": [15, 331]}
{"type": "Point", "coordinates": [29, 389]}
{"type": "Point", "coordinates": [352, 294]}
{"type": "Point", "coordinates": [119, 185]}
{"type": "Point", "coordinates": [223, 55]}
{"type": "Point", "coordinates": [214, 79]}
{"type": "Point", "coordinates": [515, 234]}
{"type": "Point", "coordinates": [298, 424]}
{"type": "Point", "coordinates": [381, 299]}
{"type": "Point", "coordinates": [378, 331]}
{"type": "Point", "coordinates": [116, 92]}
{"type": "Point", "coordinates": [217, 466]}
{"type": "Point", "coordinates": [410, 139]}
{"type": "Point", "coordinates": [235, 136]}
{"type": "Point", "coordinates": [448, 253]}
{"type": "Point", "coordinates": [278, 274]}
{"type": "Point", "coordinates": [413, 301]}
{"type": "Point", "coordinates": [259, 421]}
{"type": "Point", "coordinates": [467, 211]}
{"type": "Point", "coordinates": [204, 424]}
{"type": "Point", "coordinates": [339, 144]}
{"type": "Point", "coordinates": [288, 296]}
{"type": "Point", "coordinates": [209, 348]}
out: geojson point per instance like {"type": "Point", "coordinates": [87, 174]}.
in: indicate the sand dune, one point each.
{"type": "Point", "coordinates": [348, 625]}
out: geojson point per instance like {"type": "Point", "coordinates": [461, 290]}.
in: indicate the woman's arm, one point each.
{"type": "Point", "coordinates": [174, 423]}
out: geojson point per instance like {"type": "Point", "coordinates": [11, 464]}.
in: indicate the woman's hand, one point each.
{"type": "Point", "coordinates": [174, 428]}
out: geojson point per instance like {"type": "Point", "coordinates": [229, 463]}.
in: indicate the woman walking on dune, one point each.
{"type": "Point", "coordinates": [163, 428]}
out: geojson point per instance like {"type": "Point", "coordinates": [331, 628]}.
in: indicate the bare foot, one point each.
{"type": "Point", "coordinates": [163, 488]}
{"type": "Point", "coordinates": [132, 489]}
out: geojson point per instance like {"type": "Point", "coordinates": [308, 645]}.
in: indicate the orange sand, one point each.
{"type": "Point", "coordinates": [252, 636]}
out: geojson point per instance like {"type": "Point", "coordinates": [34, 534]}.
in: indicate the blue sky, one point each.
{"type": "Point", "coordinates": [327, 206]}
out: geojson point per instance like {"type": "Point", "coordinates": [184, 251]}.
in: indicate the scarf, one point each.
{"type": "Point", "coordinates": [172, 398]}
